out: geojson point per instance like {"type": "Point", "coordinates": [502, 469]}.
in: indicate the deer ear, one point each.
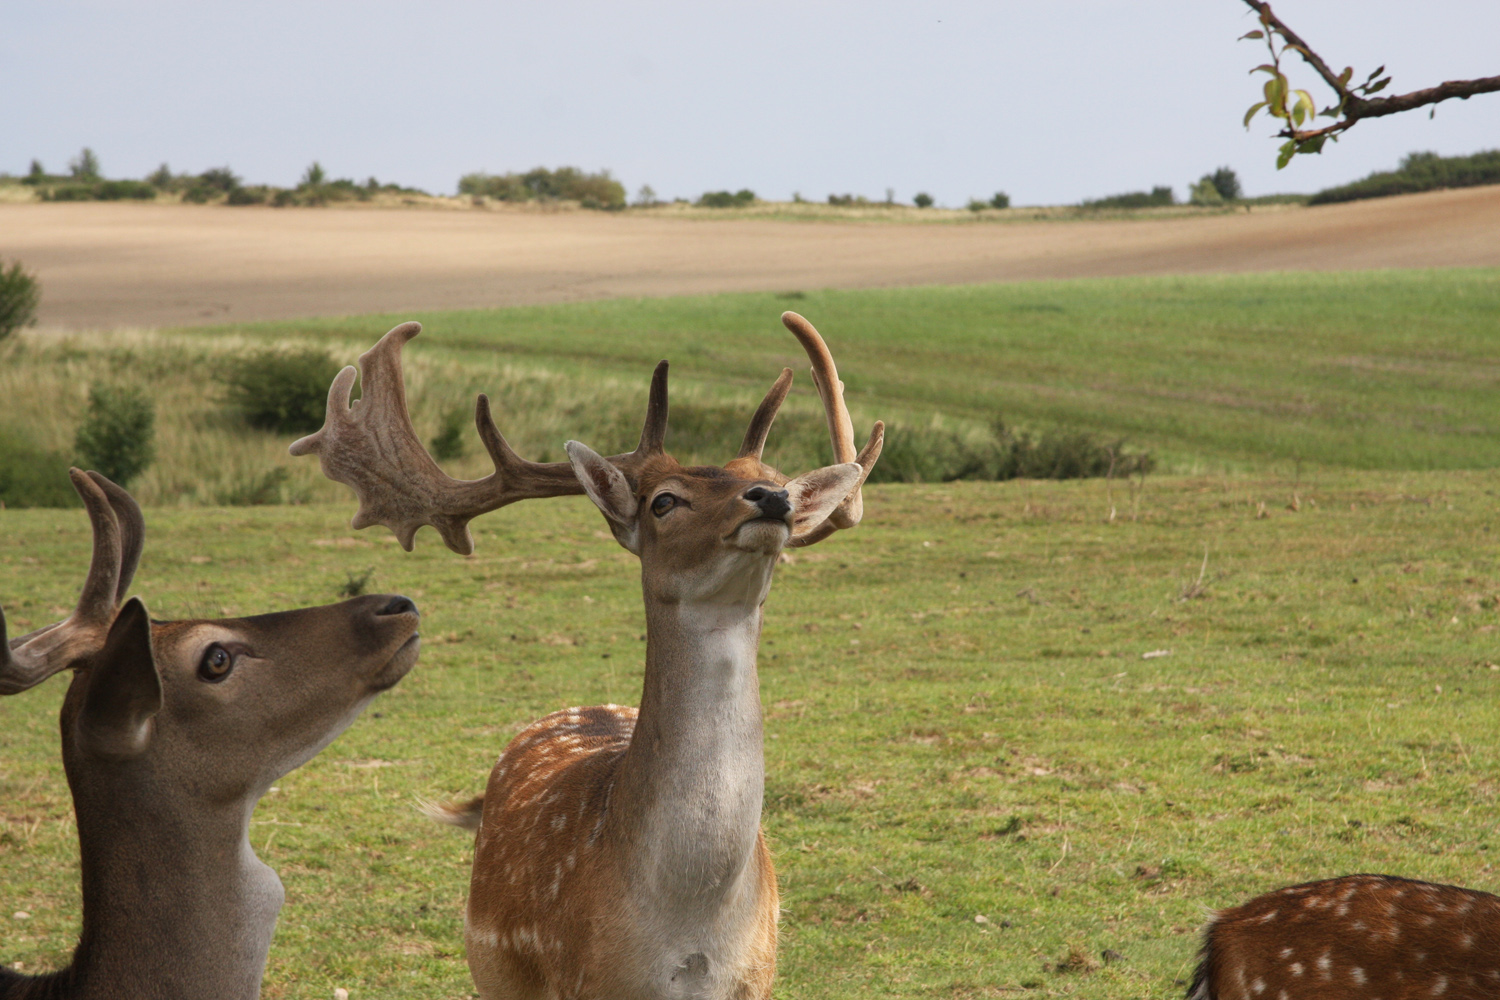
{"type": "Point", "coordinates": [610, 491]}
{"type": "Point", "coordinates": [815, 494]}
{"type": "Point", "coordinates": [124, 692]}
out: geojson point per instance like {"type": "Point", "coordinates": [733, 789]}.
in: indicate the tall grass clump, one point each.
{"type": "Point", "coordinates": [118, 436]}
{"type": "Point", "coordinates": [916, 454]}
{"type": "Point", "coordinates": [281, 391]}
{"type": "Point", "coordinates": [20, 294]}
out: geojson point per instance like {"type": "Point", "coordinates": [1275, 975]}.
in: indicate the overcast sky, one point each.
{"type": "Point", "coordinates": [1051, 102]}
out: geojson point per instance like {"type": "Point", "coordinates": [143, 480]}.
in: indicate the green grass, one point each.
{"type": "Point", "coordinates": [960, 720]}
{"type": "Point", "coordinates": [1377, 369]}
{"type": "Point", "coordinates": [1394, 370]}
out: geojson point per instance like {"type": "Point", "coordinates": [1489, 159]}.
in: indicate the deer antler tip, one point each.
{"type": "Point", "coordinates": [306, 445]}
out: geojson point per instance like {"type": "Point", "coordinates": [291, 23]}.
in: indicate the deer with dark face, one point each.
{"type": "Point", "coordinates": [171, 732]}
{"type": "Point", "coordinates": [619, 853]}
{"type": "Point", "coordinates": [1358, 937]}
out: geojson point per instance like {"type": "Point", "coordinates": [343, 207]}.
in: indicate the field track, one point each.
{"type": "Point", "coordinates": [110, 265]}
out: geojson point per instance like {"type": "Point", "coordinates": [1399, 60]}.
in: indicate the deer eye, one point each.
{"type": "Point", "coordinates": [663, 503]}
{"type": "Point", "coordinates": [216, 665]}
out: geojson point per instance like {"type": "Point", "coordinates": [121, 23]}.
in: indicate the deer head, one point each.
{"type": "Point", "coordinates": [371, 446]}
{"type": "Point", "coordinates": [171, 732]}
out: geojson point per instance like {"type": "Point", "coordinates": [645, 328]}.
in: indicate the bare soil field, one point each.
{"type": "Point", "coordinates": [113, 264]}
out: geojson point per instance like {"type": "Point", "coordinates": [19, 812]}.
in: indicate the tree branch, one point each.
{"type": "Point", "coordinates": [1353, 107]}
{"type": "Point", "coordinates": [1308, 55]}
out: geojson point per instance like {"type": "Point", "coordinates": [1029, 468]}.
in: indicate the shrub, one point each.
{"type": "Point", "coordinates": [36, 175]}
{"type": "Point", "coordinates": [975, 205]}
{"type": "Point", "coordinates": [922, 200]}
{"type": "Point", "coordinates": [1419, 172]}
{"type": "Point", "coordinates": [118, 436]}
{"type": "Point", "coordinates": [282, 391]}
{"type": "Point", "coordinates": [120, 190]}
{"type": "Point", "coordinates": [1156, 197]}
{"type": "Point", "coordinates": [932, 454]}
{"type": "Point", "coordinates": [70, 192]}
{"type": "Point", "coordinates": [256, 195]}
{"type": "Point", "coordinates": [449, 441]}
{"type": "Point", "coordinates": [725, 199]}
{"type": "Point", "coordinates": [20, 293]}
{"type": "Point", "coordinates": [161, 177]}
{"type": "Point", "coordinates": [1227, 183]}
{"type": "Point", "coordinates": [1000, 200]}
{"type": "Point", "coordinates": [846, 200]}
{"type": "Point", "coordinates": [598, 190]}
{"type": "Point", "coordinates": [30, 476]}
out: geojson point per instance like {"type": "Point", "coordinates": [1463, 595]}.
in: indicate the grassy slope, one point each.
{"type": "Point", "coordinates": [961, 721]}
{"type": "Point", "coordinates": [1365, 370]}
{"type": "Point", "coordinates": [1370, 370]}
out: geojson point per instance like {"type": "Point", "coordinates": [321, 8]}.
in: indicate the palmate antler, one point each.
{"type": "Point", "coordinates": [119, 533]}
{"type": "Point", "coordinates": [370, 445]}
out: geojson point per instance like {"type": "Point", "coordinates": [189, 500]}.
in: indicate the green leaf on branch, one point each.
{"type": "Point", "coordinates": [1251, 34]}
{"type": "Point", "coordinates": [1377, 86]}
{"type": "Point", "coordinates": [1313, 145]}
{"type": "Point", "coordinates": [1305, 106]}
{"type": "Point", "coordinates": [1288, 150]}
{"type": "Point", "coordinates": [1253, 109]}
{"type": "Point", "coordinates": [1346, 76]}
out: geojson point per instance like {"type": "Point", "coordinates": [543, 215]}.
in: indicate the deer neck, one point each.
{"type": "Point", "coordinates": [687, 800]}
{"type": "Point", "coordinates": [175, 902]}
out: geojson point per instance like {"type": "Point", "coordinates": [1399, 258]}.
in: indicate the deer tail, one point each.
{"type": "Point", "coordinates": [463, 814]}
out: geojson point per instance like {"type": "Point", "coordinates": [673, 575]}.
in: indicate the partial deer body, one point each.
{"type": "Point", "coordinates": [619, 853]}
{"type": "Point", "coordinates": [1359, 937]}
{"type": "Point", "coordinates": [171, 732]}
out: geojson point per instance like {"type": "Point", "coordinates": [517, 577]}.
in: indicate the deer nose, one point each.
{"type": "Point", "coordinates": [400, 606]}
{"type": "Point", "coordinates": [772, 503]}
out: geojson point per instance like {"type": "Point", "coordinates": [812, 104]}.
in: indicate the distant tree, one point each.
{"type": "Point", "coordinates": [922, 200]}
{"type": "Point", "coordinates": [36, 174]}
{"type": "Point", "coordinates": [1205, 192]}
{"type": "Point", "coordinates": [84, 166]}
{"type": "Point", "coordinates": [1296, 108]}
{"type": "Point", "coordinates": [1227, 183]}
{"type": "Point", "coordinates": [890, 196]}
{"type": "Point", "coordinates": [1000, 200]}
{"type": "Point", "coordinates": [161, 177]}
{"type": "Point", "coordinates": [315, 175]}
{"type": "Point", "coordinates": [646, 196]}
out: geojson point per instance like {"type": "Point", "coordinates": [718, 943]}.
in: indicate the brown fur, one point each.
{"type": "Point", "coordinates": [1359, 937]}
{"type": "Point", "coordinates": [541, 877]}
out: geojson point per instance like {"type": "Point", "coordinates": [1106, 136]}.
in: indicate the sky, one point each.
{"type": "Point", "coordinates": [1051, 102]}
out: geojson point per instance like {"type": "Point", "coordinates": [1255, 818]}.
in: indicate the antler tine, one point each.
{"type": "Point", "coordinates": [31, 659]}
{"type": "Point", "coordinates": [371, 446]}
{"type": "Point", "coordinates": [132, 531]}
{"type": "Point", "coordinates": [765, 415]}
{"type": "Point", "coordinates": [840, 429]}
{"type": "Point", "coordinates": [654, 430]}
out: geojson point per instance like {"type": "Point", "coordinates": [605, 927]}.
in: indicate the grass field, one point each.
{"type": "Point", "coordinates": [963, 719]}
{"type": "Point", "coordinates": [1390, 369]}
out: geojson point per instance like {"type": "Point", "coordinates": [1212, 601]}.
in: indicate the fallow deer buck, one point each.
{"type": "Point", "coordinates": [619, 852]}
{"type": "Point", "coordinates": [1359, 937]}
{"type": "Point", "coordinates": [171, 731]}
